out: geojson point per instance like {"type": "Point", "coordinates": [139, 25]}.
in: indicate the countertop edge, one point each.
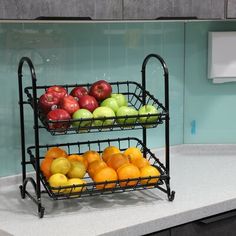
{"type": "Point", "coordinates": [175, 220]}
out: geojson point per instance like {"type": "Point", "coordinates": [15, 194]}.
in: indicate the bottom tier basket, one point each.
{"type": "Point", "coordinates": [90, 188]}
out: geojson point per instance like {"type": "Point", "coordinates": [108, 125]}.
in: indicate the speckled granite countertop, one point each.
{"type": "Point", "coordinates": [203, 177]}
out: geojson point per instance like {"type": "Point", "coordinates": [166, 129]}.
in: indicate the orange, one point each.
{"type": "Point", "coordinates": [149, 171]}
{"type": "Point", "coordinates": [91, 156]}
{"type": "Point", "coordinates": [108, 151]}
{"type": "Point", "coordinates": [76, 157]}
{"type": "Point", "coordinates": [95, 166]}
{"type": "Point", "coordinates": [141, 162]}
{"type": "Point", "coordinates": [117, 160]}
{"type": "Point", "coordinates": [45, 167]}
{"type": "Point", "coordinates": [127, 171]}
{"type": "Point", "coordinates": [105, 174]}
{"type": "Point", "coordinates": [133, 153]}
{"type": "Point", "coordinates": [55, 152]}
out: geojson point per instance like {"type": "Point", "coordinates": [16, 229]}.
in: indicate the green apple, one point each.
{"type": "Point", "coordinates": [126, 111]}
{"type": "Point", "coordinates": [148, 110]}
{"type": "Point", "coordinates": [103, 112]}
{"type": "Point", "coordinates": [110, 102]}
{"type": "Point", "coordinates": [82, 114]}
{"type": "Point", "coordinates": [120, 98]}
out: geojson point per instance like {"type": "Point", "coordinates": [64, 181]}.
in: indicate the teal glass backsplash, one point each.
{"type": "Point", "coordinates": [209, 109]}
{"type": "Point", "coordinates": [65, 53]}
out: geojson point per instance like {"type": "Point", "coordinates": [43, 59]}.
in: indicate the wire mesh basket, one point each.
{"type": "Point", "coordinates": [136, 97]}
{"type": "Point", "coordinates": [91, 188]}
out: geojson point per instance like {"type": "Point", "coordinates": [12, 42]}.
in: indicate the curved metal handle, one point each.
{"type": "Point", "coordinates": [31, 66]}
{"type": "Point", "coordinates": [166, 81]}
{"type": "Point", "coordinates": [35, 108]}
{"type": "Point", "coordinates": [166, 75]}
{"type": "Point", "coordinates": [159, 58]}
{"type": "Point", "coordinates": [33, 77]}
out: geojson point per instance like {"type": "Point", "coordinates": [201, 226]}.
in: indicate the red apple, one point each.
{"type": "Point", "coordinates": [70, 104]}
{"type": "Point", "coordinates": [56, 115]}
{"type": "Point", "coordinates": [47, 102]}
{"type": "Point", "coordinates": [88, 102]}
{"type": "Point", "coordinates": [79, 92]}
{"type": "Point", "coordinates": [57, 91]}
{"type": "Point", "coordinates": [100, 90]}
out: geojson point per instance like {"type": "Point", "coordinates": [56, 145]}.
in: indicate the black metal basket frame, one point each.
{"type": "Point", "coordinates": [143, 97]}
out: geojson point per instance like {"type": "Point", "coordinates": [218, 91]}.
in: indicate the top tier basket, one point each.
{"type": "Point", "coordinates": [136, 96]}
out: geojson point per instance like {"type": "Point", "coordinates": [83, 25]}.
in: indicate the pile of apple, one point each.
{"type": "Point", "coordinates": [92, 105]}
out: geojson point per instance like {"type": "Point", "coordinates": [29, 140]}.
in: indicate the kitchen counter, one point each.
{"type": "Point", "coordinates": [203, 177]}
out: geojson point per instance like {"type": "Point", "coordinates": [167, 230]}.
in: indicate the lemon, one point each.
{"type": "Point", "coordinates": [77, 170]}
{"type": "Point", "coordinates": [75, 181]}
{"type": "Point", "coordinates": [60, 165]}
{"type": "Point", "coordinates": [58, 180]}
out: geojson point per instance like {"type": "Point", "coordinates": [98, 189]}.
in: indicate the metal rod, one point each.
{"type": "Point", "coordinates": [144, 103]}
{"type": "Point", "coordinates": [36, 129]}
{"type": "Point", "coordinates": [22, 127]}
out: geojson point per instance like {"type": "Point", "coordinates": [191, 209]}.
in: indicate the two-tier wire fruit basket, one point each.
{"type": "Point", "coordinates": [137, 96]}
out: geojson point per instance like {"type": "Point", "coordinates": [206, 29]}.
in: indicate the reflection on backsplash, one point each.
{"type": "Point", "coordinates": [39, 45]}
{"type": "Point", "coordinates": [133, 38]}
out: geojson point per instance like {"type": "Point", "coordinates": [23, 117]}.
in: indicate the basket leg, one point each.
{"type": "Point", "coordinates": [36, 200]}
{"type": "Point", "coordinates": [170, 194]}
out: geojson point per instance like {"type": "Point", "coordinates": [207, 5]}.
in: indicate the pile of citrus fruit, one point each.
{"type": "Point", "coordinates": [61, 169]}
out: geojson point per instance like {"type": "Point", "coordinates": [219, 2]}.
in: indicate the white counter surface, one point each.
{"type": "Point", "coordinates": [203, 176]}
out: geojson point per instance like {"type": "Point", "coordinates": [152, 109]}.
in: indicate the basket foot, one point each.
{"type": "Point", "coordinates": [171, 196]}
{"type": "Point", "coordinates": [22, 192]}
{"type": "Point", "coordinates": [41, 211]}
{"type": "Point", "coordinates": [36, 199]}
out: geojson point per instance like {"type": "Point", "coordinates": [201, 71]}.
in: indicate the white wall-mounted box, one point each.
{"type": "Point", "coordinates": [222, 56]}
